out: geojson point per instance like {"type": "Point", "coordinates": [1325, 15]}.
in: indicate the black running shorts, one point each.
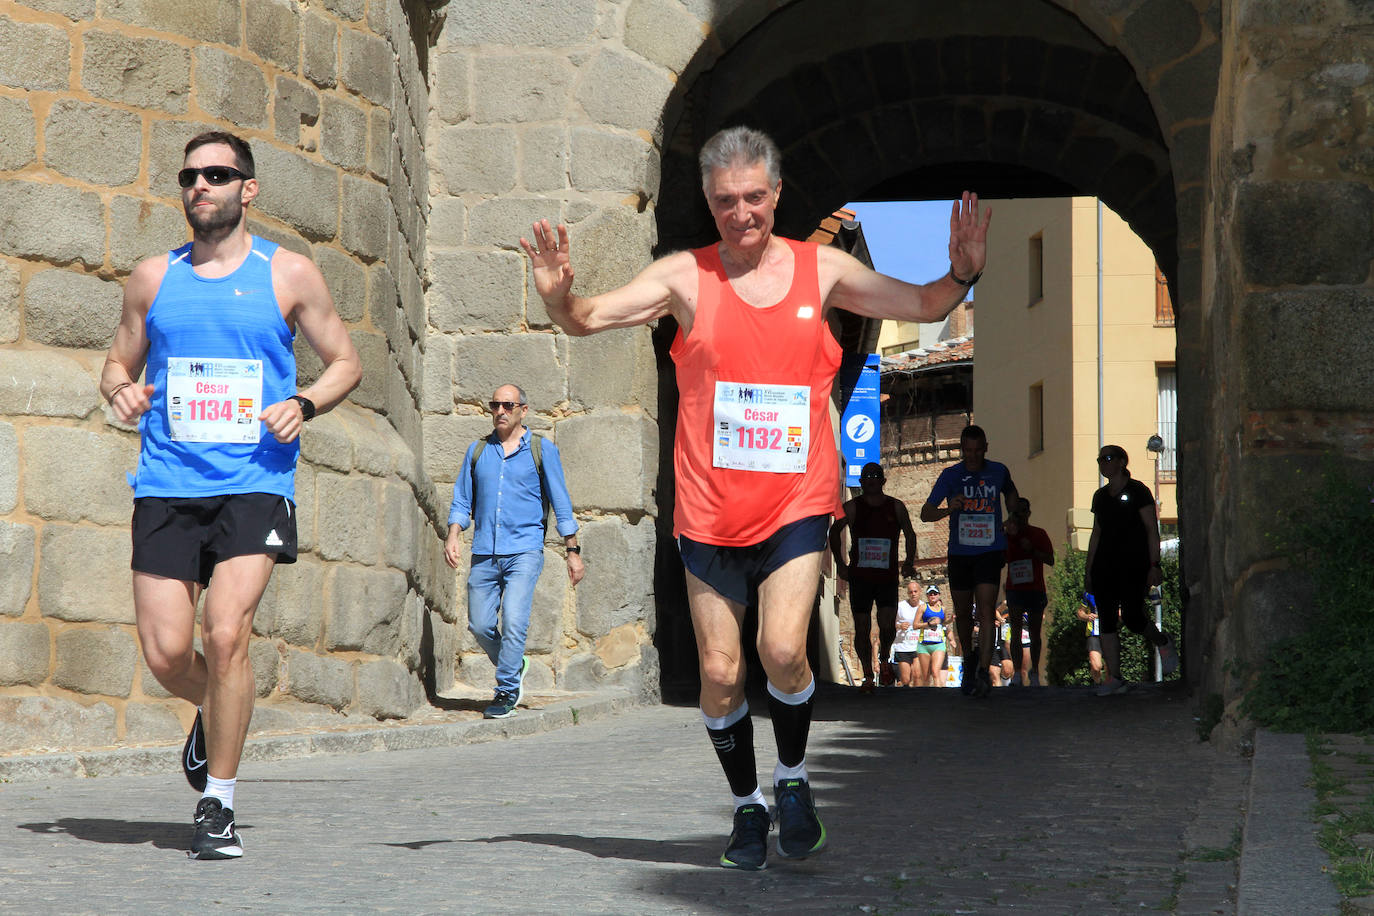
{"type": "Point", "coordinates": [968, 571]}
{"type": "Point", "coordinates": [183, 538]}
{"type": "Point", "coordinates": [864, 595]}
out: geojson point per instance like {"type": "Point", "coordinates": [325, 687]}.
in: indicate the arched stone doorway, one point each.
{"type": "Point", "coordinates": [882, 100]}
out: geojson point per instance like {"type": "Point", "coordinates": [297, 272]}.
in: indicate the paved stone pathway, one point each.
{"type": "Point", "coordinates": [1047, 801]}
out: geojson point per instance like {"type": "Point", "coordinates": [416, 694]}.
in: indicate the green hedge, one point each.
{"type": "Point", "coordinates": [1067, 662]}
{"type": "Point", "coordinates": [1316, 678]}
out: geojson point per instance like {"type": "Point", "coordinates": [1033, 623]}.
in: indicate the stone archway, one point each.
{"type": "Point", "coordinates": [1007, 98]}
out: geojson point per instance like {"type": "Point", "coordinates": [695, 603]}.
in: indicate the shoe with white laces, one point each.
{"type": "Point", "coordinates": [215, 836]}
{"type": "Point", "coordinates": [502, 706]}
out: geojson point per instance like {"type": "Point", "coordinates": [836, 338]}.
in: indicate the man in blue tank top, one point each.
{"type": "Point", "coordinates": [972, 492]}
{"type": "Point", "coordinates": [210, 326]}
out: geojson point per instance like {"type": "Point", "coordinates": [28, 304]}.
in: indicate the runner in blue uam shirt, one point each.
{"type": "Point", "coordinates": [972, 492]}
{"type": "Point", "coordinates": [213, 323]}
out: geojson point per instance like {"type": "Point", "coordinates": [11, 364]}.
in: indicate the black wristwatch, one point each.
{"type": "Point", "coordinates": [575, 549]}
{"type": "Point", "coordinates": [960, 280]}
{"type": "Point", "coordinates": [307, 406]}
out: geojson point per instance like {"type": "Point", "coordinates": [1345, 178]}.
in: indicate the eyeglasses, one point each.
{"type": "Point", "coordinates": [504, 405]}
{"type": "Point", "coordinates": [1106, 457]}
{"type": "Point", "coordinates": [214, 174]}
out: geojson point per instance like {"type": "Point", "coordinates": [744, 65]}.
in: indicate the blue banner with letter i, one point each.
{"type": "Point", "coordinates": [859, 439]}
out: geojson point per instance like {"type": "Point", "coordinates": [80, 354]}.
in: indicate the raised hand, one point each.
{"type": "Point", "coordinates": [968, 236]}
{"type": "Point", "coordinates": [553, 272]}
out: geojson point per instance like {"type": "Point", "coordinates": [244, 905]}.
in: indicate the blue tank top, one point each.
{"type": "Point", "coordinates": [204, 330]}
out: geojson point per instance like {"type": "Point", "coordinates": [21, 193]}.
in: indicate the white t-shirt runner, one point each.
{"type": "Point", "coordinates": [908, 640]}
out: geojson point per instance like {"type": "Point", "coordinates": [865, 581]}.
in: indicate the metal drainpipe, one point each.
{"type": "Point", "coordinates": [1100, 407]}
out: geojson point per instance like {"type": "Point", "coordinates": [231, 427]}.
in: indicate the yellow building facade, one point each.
{"type": "Point", "coordinates": [1037, 357]}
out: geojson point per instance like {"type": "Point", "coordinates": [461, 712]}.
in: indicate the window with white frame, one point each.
{"type": "Point", "coordinates": [1168, 421]}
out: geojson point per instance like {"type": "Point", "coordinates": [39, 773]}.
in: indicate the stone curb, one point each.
{"type": "Point", "coordinates": [142, 760]}
{"type": "Point", "coordinates": [1281, 865]}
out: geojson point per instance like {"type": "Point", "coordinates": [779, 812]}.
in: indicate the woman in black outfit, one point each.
{"type": "Point", "coordinates": [1123, 564]}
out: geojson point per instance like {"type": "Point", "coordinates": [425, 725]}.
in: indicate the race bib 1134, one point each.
{"type": "Point", "coordinates": [214, 400]}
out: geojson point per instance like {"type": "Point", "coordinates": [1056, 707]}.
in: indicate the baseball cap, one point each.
{"type": "Point", "coordinates": [932, 590]}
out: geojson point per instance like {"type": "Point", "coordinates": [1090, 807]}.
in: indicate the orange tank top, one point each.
{"type": "Point", "coordinates": [755, 449]}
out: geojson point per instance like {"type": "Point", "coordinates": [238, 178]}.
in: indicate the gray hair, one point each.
{"type": "Point", "coordinates": [740, 146]}
{"type": "Point", "coordinates": [523, 398]}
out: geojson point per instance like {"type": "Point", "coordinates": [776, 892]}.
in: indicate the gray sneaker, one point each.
{"type": "Point", "coordinates": [502, 707]}
{"type": "Point", "coordinates": [520, 684]}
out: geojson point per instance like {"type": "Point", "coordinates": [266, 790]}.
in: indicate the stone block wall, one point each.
{"type": "Point", "coordinates": [553, 111]}
{"type": "Point", "coordinates": [1289, 245]}
{"type": "Point", "coordinates": [94, 112]}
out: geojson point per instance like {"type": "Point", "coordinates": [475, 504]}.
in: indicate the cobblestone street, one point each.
{"type": "Point", "coordinates": [1036, 801]}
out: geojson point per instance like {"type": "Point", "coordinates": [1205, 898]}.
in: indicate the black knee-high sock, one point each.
{"type": "Point", "coordinates": [732, 735]}
{"type": "Point", "coordinates": [791, 714]}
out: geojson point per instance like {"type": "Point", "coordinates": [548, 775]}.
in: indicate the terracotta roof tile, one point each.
{"type": "Point", "coordinates": [950, 352]}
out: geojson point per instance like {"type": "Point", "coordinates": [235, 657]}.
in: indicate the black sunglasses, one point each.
{"type": "Point", "coordinates": [214, 174]}
{"type": "Point", "coordinates": [1106, 457]}
{"type": "Point", "coordinates": [508, 405]}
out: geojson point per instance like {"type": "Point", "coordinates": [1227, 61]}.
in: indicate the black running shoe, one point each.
{"type": "Point", "coordinates": [215, 836]}
{"type": "Point", "coordinates": [968, 675]}
{"type": "Point", "coordinates": [800, 831]}
{"type": "Point", "coordinates": [748, 847]}
{"type": "Point", "coordinates": [984, 685]}
{"type": "Point", "coordinates": [502, 706]}
{"type": "Point", "coordinates": [193, 756]}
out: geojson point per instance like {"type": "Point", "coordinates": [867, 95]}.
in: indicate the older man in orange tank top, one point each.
{"type": "Point", "coordinates": [757, 474]}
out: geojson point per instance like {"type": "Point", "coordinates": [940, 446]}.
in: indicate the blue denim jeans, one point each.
{"type": "Point", "coordinates": [503, 587]}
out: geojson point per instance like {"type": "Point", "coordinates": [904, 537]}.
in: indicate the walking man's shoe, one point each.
{"type": "Point", "coordinates": [502, 707]}
{"type": "Point", "coordinates": [520, 685]}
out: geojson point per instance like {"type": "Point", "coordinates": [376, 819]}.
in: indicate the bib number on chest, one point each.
{"type": "Point", "coordinates": [761, 427]}
{"type": "Point", "coordinates": [1020, 572]}
{"type": "Point", "coordinates": [214, 400]}
{"type": "Point", "coordinates": [874, 553]}
{"type": "Point", "coordinates": [976, 529]}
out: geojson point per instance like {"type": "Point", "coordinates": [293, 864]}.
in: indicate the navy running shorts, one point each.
{"type": "Point", "coordinates": [735, 572]}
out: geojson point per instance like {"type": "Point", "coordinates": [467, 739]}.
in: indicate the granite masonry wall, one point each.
{"type": "Point", "coordinates": [407, 146]}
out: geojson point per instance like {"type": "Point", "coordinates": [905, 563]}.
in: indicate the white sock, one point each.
{"type": "Point", "coordinates": [781, 772]}
{"type": "Point", "coordinates": [222, 789]}
{"type": "Point", "coordinates": [755, 799]}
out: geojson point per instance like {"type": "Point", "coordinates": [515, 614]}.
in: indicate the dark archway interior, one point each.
{"type": "Point", "coordinates": [1026, 103]}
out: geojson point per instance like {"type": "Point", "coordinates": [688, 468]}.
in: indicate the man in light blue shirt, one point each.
{"type": "Point", "coordinates": [504, 489]}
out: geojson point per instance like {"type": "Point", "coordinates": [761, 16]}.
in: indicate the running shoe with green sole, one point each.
{"type": "Point", "coordinates": [800, 831]}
